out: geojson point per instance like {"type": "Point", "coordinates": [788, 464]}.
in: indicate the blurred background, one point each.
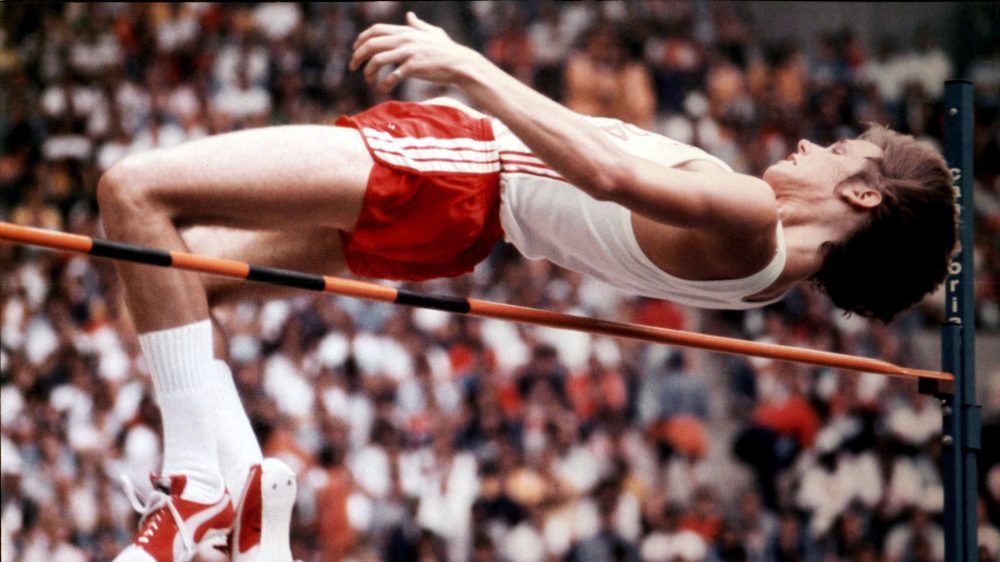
{"type": "Point", "coordinates": [422, 436]}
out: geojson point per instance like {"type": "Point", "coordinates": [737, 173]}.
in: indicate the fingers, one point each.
{"type": "Point", "coordinates": [380, 60]}
{"type": "Point", "coordinates": [370, 47]}
{"type": "Point", "coordinates": [384, 44]}
{"type": "Point", "coordinates": [394, 78]}
{"type": "Point", "coordinates": [379, 30]}
{"type": "Point", "coordinates": [383, 29]}
{"type": "Point", "coordinates": [387, 29]}
{"type": "Point", "coordinates": [412, 19]}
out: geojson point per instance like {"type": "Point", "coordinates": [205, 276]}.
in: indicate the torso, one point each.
{"type": "Point", "coordinates": [693, 257]}
{"type": "Point", "coordinates": [700, 256]}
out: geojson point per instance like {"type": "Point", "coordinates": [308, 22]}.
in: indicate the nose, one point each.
{"type": "Point", "coordinates": [803, 146]}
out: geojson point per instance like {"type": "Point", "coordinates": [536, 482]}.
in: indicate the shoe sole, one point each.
{"type": "Point", "coordinates": [278, 490]}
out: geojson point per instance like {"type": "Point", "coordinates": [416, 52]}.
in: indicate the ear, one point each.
{"type": "Point", "coordinates": [861, 195]}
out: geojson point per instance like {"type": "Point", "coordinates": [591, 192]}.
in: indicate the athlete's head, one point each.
{"type": "Point", "coordinates": [815, 172]}
{"type": "Point", "coordinates": [900, 249]}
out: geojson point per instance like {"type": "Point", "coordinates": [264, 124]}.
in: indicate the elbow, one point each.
{"type": "Point", "coordinates": [608, 181]}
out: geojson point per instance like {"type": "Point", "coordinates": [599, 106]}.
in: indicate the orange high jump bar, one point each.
{"type": "Point", "coordinates": [358, 289]}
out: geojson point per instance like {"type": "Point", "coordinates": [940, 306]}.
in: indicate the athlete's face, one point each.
{"type": "Point", "coordinates": [820, 168]}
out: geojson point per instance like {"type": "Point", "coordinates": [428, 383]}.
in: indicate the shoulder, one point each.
{"type": "Point", "coordinates": [744, 200]}
{"type": "Point", "coordinates": [743, 224]}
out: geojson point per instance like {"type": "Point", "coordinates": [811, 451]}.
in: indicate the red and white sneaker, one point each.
{"type": "Point", "coordinates": [171, 528]}
{"type": "Point", "coordinates": [264, 515]}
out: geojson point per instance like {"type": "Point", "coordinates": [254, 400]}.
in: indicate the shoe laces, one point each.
{"type": "Point", "coordinates": [152, 510]}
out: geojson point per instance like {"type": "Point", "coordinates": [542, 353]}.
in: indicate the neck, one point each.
{"type": "Point", "coordinates": [808, 227]}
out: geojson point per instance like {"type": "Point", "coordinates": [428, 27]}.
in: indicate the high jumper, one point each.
{"type": "Point", "coordinates": [418, 191]}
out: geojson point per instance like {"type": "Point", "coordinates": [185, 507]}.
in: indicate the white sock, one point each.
{"type": "Point", "coordinates": [238, 447]}
{"type": "Point", "coordinates": [180, 360]}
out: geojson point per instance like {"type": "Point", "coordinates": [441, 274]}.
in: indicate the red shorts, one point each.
{"type": "Point", "coordinates": [432, 204]}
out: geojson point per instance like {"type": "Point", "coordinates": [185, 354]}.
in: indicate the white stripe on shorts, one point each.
{"type": "Point", "coordinates": [460, 166]}
{"type": "Point", "coordinates": [431, 142]}
{"type": "Point", "coordinates": [427, 154]}
{"type": "Point", "coordinates": [433, 153]}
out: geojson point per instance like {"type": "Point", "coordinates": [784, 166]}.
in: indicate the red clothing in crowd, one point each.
{"type": "Point", "coordinates": [336, 534]}
{"type": "Point", "coordinates": [792, 416]}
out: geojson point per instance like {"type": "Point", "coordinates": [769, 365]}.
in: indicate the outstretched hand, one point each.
{"type": "Point", "coordinates": [417, 50]}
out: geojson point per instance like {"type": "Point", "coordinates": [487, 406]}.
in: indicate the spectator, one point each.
{"type": "Point", "coordinates": [35, 211]}
{"type": "Point", "coordinates": [337, 535]}
{"type": "Point", "coordinates": [703, 517]}
{"type": "Point", "coordinates": [789, 544]}
{"type": "Point", "coordinates": [606, 544]}
{"type": "Point", "coordinates": [49, 541]}
{"type": "Point", "coordinates": [603, 80]}
{"type": "Point", "coordinates": [669, 541]}
{"type": "Point", "coordinates": [551, 35]}
{"type": "Point", "coordinates": [916, 538]}
{"type": "Point", "coordinates": [242, 101]}
{"type": "Point", "coordinates": [511, 49]}
{"type": "Point", "coordinates": [679, 390]}
{"type": "Point", "coordinates": [757, 524]}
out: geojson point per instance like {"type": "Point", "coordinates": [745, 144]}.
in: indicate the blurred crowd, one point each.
{"type": "Point", "coordinates": [419, 436]}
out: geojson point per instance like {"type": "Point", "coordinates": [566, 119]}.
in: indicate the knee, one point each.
{"type": "Point", "coordinates": [125, 195]}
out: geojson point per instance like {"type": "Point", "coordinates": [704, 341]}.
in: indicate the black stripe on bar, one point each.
{"type": "Point", "coordinates": [286, 277]}
{"type": "Point", "coordinates": [119, 251]}
{"type": "Point", "coordinates": [437, 302]}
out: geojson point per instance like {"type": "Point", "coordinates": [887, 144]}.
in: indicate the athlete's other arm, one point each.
{"type": "Point", "coordinates": [570, 144]}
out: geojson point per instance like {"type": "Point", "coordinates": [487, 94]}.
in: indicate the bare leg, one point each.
{"type": "Point", "coordinates": [315, 251]}
{"type": "Point", "coordinates": [280, 179]}
{"type": "Point", "coordinates": [283, 179]}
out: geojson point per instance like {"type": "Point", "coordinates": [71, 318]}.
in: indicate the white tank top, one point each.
{"type": "Point", "coordinates": [547, 218]}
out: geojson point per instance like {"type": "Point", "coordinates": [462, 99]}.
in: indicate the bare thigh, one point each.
{"type": "Point", "coordinates": [273, 178]}
{"type": "Point", "coordinates": [311, 250]}
{"type": "Point", "coordinates": [276, 179]}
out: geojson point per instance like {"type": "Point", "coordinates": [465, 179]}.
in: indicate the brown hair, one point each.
{"type": "Point", "coordinates": [902, 252]}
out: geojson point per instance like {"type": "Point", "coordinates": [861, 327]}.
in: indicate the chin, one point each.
{"type": "Point", "coordinates": [772, 174]}
{"type": "Point", "coordinates": [782, 179]}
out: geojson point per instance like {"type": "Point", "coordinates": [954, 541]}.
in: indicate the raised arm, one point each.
{"type": "Point", "coordinates": [564, 140]}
